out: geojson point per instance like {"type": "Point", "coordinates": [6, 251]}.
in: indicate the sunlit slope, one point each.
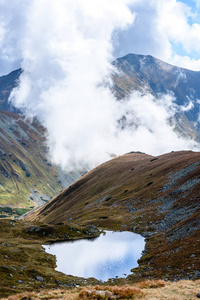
{"type": "Point", "coordinates": [27, 178]}
{"type": "Point", "coordinates": [158, 197]}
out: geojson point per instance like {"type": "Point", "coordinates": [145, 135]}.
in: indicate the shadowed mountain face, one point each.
{"type": "Point", "coordinates": [7, 83]}
{"type": "Point", "coordinates": [158, 197]}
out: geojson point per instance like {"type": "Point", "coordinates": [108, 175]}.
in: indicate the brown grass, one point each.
{"type": "Point", "coordinates": [181, 290]}
{"type": "Point", "coordinates": [111, 292]}
{"type": "Point", "coordinates": [46, 294]}
{"type": "Point", "coordinates": [151, 284]}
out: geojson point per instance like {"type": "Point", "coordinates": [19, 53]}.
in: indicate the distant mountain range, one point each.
{"type": "Point", "coordinates": [150, 75]}
{"type": "Point", "coordinates": [28, 179]}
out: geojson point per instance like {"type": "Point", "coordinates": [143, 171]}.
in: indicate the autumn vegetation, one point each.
{"type": "Point", "coordinates": [146, 290]}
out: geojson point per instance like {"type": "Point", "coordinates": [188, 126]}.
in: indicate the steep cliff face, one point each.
{"type": "Point", "coordinates": [158, 197]}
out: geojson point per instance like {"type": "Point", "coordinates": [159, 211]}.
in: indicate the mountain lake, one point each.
{"type": "Point", "coordinates": [110, 255]}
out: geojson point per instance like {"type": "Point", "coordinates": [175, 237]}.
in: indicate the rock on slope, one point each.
{"type": "Point", "coordinates": [158, 197]}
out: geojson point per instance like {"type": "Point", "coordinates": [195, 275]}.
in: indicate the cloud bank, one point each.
{"type": "Point", "coordinates": [67, 48]}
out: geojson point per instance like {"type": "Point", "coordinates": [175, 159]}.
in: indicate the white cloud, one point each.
{"type": "Point", "coordinates": [12, 27]}
{"type": "Point", "coordinates": [66, 49]}
{"type": "Point", "coordinates": [66, 52]}
{"type": "Point", "coordinates": [150, 132]}
{"type": "Point", "coordinates": [144, 36]}
{"type": "Point", "coordinates": [185, 62]}
{"type": "Point", "coordinates": [173, 20]}
{"type": "Point", "coordinates": [161, 29]}
{"type": "Point", "coordinates": [197, 3]}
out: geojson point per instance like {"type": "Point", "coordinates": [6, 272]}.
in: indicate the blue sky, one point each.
{"type": "Point", "coordinates": [191, 3]}
{"type": "Point", "coordinates": [194, 18]}
{"type": "Point", "coordinates": [166, 29]}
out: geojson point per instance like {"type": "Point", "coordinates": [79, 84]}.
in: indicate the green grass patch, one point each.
{"type": "Point", "coordinates": [24, 263]}
{"type": "Point", "coordinates": [10, 212]}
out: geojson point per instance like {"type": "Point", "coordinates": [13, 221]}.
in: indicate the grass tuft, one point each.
{"type": "Point", "coordinates": [27, 296]}
{"type": "Point", "coordinates": [111, 292]}
{"type": "Point", "coordinates": [151, 284]}
{"type": "Point", "coordinates": [127, 292]}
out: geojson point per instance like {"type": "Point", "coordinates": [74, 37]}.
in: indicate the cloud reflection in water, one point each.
{"type": "Point", "coordinates": [107, 256]}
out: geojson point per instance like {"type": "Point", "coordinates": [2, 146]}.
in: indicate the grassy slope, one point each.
{"type": "Point", "coordinates": [157, 197]}
{"type": "Point", "coordinates": [23, 163]}
{"type": "Point", "coordinates": [23, 261]}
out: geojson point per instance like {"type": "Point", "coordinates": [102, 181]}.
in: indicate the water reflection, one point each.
{"type": "Point", "coordinates": [107, 256]}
